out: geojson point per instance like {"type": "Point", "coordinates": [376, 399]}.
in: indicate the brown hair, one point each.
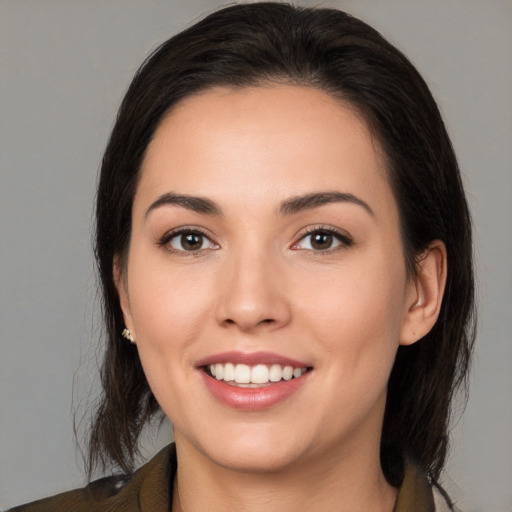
{"type": "Point", "coordinates": [328, 49]}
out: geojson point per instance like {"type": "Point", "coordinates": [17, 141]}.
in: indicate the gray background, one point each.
{"type": "Point", "coordinates": [64, 67]}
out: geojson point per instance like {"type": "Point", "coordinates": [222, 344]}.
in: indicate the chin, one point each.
{"type": "Point", "coordinates": [249, 448]}
{"type": "Point", "coordinates": [256, 458]}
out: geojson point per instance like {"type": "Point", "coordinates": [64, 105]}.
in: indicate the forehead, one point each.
{"type": "Point", "coordinates": [262, 141]}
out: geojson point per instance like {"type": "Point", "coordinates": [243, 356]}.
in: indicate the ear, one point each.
{"type": "Point", "coordinates": [122, 290]}
{"type": "Point", "coordinates": [425, 294]}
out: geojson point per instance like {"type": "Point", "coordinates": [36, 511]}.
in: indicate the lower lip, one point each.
{"type": "Point", "coordinates": [253, 399]}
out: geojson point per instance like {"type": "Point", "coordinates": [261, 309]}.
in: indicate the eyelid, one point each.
{"type": "Point", "coordinates": [342, 236]}
{"type": "Point", "coordinates": [181, 230]}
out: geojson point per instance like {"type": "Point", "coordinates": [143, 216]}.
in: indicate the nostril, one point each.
{"type": "Point", "coordinates": [230, 321]}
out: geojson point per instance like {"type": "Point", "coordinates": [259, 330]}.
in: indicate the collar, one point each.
{"type": "Point", "coordinates": [149, 489]}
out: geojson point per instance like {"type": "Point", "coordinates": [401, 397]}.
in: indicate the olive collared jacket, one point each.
{"type": "Point", "coordinates": [149, 490]}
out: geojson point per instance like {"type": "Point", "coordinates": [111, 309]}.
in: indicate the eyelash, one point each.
{"type": "Point", "coordinates": [343, 238]}
{"type": "Point", "coordinates": [166, 239]}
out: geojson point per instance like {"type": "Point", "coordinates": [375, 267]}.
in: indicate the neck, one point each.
{"type": "Point", "coordinates": [332, 483]}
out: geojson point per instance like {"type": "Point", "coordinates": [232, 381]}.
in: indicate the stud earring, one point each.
{"type": "Point", "coordinates": [127, 333]}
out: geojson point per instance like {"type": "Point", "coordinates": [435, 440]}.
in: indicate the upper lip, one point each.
{"type": "Point", "coordinates": [251, 359]}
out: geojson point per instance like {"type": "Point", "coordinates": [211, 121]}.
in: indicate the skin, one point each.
{"type": "Point", "coordinates": [257, 284]}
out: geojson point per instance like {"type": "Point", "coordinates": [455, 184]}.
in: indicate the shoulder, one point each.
{"type": "Point", "coordinates": [147, 490]}
{"type": "Point", "coordinates": [418, 494]}
{"type": "Point", "coordinates": [87, 499]}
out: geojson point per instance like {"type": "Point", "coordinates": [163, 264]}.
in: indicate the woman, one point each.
{"type": "Point", "coordinates": [285, 253]}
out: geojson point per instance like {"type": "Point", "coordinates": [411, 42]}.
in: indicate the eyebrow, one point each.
{"type": "Point", "coordinates": [315, 200]}
{"type": "Point", "coordinates": [193, 203]}
{"type": "Point", "coordinates": [290, 206]}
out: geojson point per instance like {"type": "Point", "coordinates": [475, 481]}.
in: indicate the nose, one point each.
{"type": "Point", "coordinates": [252, 293]}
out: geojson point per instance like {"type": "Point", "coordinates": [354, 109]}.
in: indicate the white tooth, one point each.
{"type": "Point", "coordinates": [297, 372]}
{"type": "Point", "coordinates": [229, 371]}
{"type": "Point", "coordinates": [242, 374]}
{"type": "Point", "coordinates": [275, 373]}
{"type": "Point", "coordinates": [259, 374]}
{"type": "Point", "coordinates": [287, 372]}
{"type": "Point", "coordinates": [212, 369]}
{"type": "Point", "coordinates": [219, 371]}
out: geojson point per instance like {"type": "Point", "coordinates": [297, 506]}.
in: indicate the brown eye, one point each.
{"type": "Point", "coordinates": [190, 241]}
{"type": "Point", "coordinates": [322, 240]}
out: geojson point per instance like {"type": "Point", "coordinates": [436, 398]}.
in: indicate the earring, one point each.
{"type": "Point", "coordinates": [127, 333]}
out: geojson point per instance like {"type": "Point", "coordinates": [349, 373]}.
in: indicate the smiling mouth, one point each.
{"type": "Point", "coordinates": [253, 376]}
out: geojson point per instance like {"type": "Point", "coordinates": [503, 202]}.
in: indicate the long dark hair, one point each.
{"type": "Point", "coordinates": [262, 43]}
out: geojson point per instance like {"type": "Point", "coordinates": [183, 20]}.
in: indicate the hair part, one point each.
{"type": "Point", "coordinates": [271, 43]}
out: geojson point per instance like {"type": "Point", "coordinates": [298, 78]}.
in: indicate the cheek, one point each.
{"type": "Point", "coordinates": [169, 309]}
{"type": "Point", "coordinates": [356, 314]}
{"type": "Point", "coordinates": [168, 306]}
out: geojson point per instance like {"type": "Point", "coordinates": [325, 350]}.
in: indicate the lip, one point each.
{"type": "Point", "coordinates": [252, 399]}
{"type": "Point", "coordinates": [251, 359]}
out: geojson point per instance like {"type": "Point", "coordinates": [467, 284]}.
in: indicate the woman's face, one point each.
{"type": "Point", "coordinates": [266, 247]}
